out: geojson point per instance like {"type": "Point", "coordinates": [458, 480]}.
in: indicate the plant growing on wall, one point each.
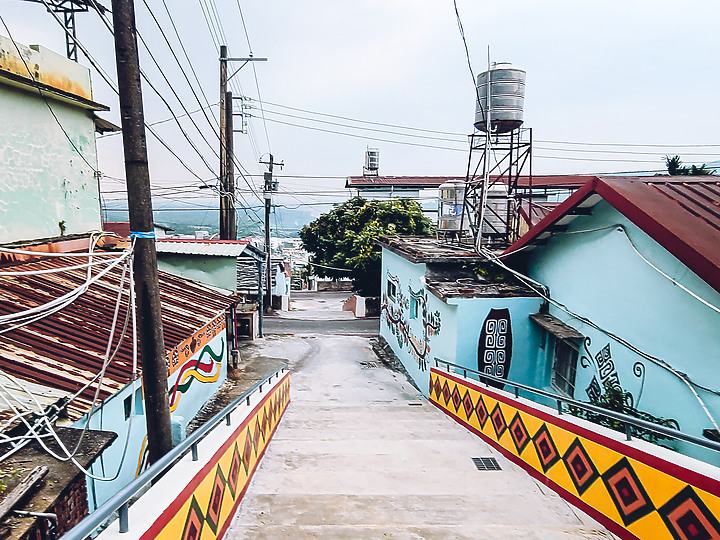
{"type": "Point", "coordinates": [343, 240]}
{"type": "Point", "coordinates": [614, 398]}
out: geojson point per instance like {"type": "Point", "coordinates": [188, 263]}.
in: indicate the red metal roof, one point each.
{"type": "Point", "coordinates": [533, 214]}
{"type": "Point", "coordinates": [399, 181]}
{"type": "Point", "coordinates": [682, 214]}
{"type": "Point", "coordinates": [65, 350]}
{"type": "Point", "coordinates": [545, 181]}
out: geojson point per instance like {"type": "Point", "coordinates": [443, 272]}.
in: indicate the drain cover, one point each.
{"type": "Point", "coordinates": [368, 365]}
{"type": "Point", "coordinates": [486, 464]}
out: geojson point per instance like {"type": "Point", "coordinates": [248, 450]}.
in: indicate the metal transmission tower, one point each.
{"type": "Point", "coordinates": [69, 8]}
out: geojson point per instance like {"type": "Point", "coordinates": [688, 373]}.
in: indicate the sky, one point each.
{"type": "Point", "coordinates": [634, 80]}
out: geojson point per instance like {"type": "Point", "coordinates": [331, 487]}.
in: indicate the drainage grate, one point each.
{"type": "Point", "coordinates": [368, 365]}
{"type": "Point", "coordinates": [486, 464]}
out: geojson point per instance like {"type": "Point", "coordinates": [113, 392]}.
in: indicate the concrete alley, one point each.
{"type": "Point", "coordinates": [361, 453]}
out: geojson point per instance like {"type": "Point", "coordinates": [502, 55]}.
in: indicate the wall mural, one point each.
{"type": "Point", "coordinates": [396, 312]}
{"type": "Point", "coordinates": [607, 375]}
{"type": "Point", "coordinates": [495, 345]}
{"type": "Point", "coordinates": [206, 369]}
{"type": "Point", "coordinates": [628, 488]}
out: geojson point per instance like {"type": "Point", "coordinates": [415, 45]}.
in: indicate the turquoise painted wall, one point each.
{"type": "Point", "coordinates": [132, 430]}
{"type": "Point", "coordinates": [220, 272]}
{"type": "Point", "coordinates": [459, 322]}
{"type": "Point", "coordinates": [46, 187]}
{"type": "Point", "coordinates": [471, 316]}
{"type": "Point", "coordinates": [599, 276]}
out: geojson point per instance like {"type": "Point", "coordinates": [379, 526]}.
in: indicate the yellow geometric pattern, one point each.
{"type": "Point", "coordinates": [633, 493]}
{"type": "Point", "coordinates": [205, 508]}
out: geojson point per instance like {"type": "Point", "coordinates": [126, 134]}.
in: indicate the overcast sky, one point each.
{"type": "Point", "coordinates": [630, 72]}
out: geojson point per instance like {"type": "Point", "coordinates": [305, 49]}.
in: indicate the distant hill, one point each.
{"type": "Point", "coordinates": [187, 218]}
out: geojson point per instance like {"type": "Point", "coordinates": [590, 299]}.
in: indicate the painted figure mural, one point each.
{"type": "Point", "coordinates": [398, 309]}
{"type": "Point", "coordinates": [495, 345]}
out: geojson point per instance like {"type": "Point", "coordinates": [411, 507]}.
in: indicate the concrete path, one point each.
{"type": "Point", "coordinates": [361, 454]}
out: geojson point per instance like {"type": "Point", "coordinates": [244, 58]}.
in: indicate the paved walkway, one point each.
{"type": "Point", "coordinates": [361, 454]}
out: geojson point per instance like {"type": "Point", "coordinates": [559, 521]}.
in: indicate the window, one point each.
{"type": "Point", "coordinates": [564, 367]}
{"type": "Point", "coordinates": [391, 289]}
{"type": "Point", "coordinates": [413, 307]}
{"type": "Point", "coordinates": [127, 404]}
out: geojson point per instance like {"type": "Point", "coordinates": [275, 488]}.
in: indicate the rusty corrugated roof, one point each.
{"type": "Point", "coordinates": [65, 350]}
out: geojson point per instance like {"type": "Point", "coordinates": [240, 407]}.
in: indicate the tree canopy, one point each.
{"type": "Point", "coordinates": [675, 167]}
{"type": "Point", "coordinates": [342, 240]}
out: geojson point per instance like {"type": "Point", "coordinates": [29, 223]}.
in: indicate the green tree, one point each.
{"type": "Point", "coordinates": [344, 238]}
{"type": "Point", "coordinates": [675, 167]}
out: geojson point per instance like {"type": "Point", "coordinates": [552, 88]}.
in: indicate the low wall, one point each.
{"type": "Point", "coordinates": [634, 488]}
{"type": "Point", "coordinates": [198, 499]}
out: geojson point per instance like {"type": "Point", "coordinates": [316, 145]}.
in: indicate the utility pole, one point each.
{"type": "Point", "coordinates": [224, 232]}
{"type": "Point", "coordinates": [268, 188]}
{"type": "Point", "coordinates": [227, 173]}
{"type": "Point", "coordinates": [228, 190]}
{"type": "Point", "coordinates": [147, 290]}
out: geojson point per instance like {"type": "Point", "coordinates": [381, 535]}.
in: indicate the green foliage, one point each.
{"type": "Point", "coordinates": [344, 238]}
{"type": "Point", "coordinates": [676, 168]}
{"type": "Point", "coordinates": [616, 399]}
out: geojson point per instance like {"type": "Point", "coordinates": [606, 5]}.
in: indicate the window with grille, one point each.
{"type": "Point", "coordinates": [564, 367]}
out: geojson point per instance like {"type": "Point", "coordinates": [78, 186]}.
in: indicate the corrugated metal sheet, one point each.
{"type": "Point", "coordinates": [700, 197]}
{"type": "Point", "coordinates": [219, 248]}
{"type": "Point", "coordinates": [247, 275]}
{"type": "Point", "coordinates": [538, 182]}
{"type": "Point", "coordinates": [65, 350]}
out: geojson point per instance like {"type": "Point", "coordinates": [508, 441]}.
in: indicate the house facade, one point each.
{"type": "Point", "coordinates": [433, 308]}
{"type": "Point", "coordinates": [47, 142]}
{"type": "Point", "coordinates": [66, 325]}
{"type": "Point", "coordinates": [632, 266]}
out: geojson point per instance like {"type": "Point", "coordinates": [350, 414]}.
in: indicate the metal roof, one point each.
{"type": "Point", "coordinates": [424, 249]}
{"type": "Point", "coordinates": [399, 181]}
{"type": "Point", "coordinates": [539, 182]}
{"type": "Point", "coordinates": [680, 213]}
{"type": "Point", "coordinates": [217, 248]}
{"type": "Point", "coordinates": [65, 350]}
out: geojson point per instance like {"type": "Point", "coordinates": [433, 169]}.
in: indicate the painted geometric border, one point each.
{"type": "Point", "coordinates": [219, 487]}
{"type": "Point", "coordinates": [634, 493]}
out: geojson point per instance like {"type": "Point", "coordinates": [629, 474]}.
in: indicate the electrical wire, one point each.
{"type": "Point", "coordinates": [544, 292]}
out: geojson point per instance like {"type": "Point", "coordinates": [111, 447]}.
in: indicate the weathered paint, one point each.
{"type": "Point", "coordinates": [636, 489]}
{"type": "Point", "coordinates": [46, 67]}
{"type": "Point", "coordinates": [46, 171]}
{"type": "Point", "coordinates": [189, 388]}
{"type": "Point", "coordinates": [599, 276]}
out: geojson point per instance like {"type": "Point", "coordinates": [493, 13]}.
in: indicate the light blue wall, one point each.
{"type": "Point", "coordinates": [47, 182]}
{"type": "Point", "coordinates": [471, 316]}
{"type": "Point", "coordinates": [219, 272]}
{"type": "Point", "coordinates": [132, 431]}
{"type": "Point", "coordinates": [598, 275]}
{"type": "Point", "coordinates": [460, 324]}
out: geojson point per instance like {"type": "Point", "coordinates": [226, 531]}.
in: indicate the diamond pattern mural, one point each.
{"type": "Point", "coordinates": [632, 491]}
{"type": "Point", "coordinates": [206, 507]}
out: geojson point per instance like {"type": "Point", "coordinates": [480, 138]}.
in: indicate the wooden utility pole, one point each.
{"type": "Point", "coordinates": [224, 232]}
{"type": "Point", "coordinates": [229, 188]}
{"type": "Point", "coordinates": [147, 291]}
{"type": "Point", "coordinates": [268, 188]}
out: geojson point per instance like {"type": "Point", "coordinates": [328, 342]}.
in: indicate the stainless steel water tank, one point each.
{"type": "Point", "coordinates": [507, 98]}
{"type": "Point", "coordinates": [450, 206]}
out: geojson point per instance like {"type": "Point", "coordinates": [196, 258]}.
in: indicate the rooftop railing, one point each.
{"type": "Point", "coordinates": [120, 502]}
{"type": "Point", "coordinates": [628, 421]}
